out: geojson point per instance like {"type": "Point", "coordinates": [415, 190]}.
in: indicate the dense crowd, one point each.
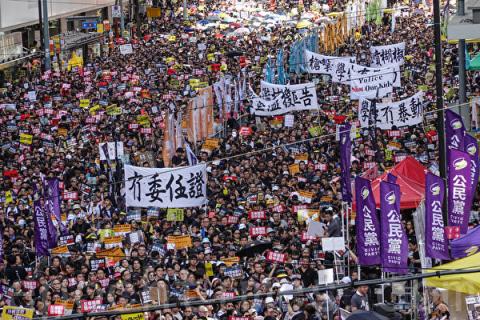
{"type": "Point", "coordinates": [249, 173]}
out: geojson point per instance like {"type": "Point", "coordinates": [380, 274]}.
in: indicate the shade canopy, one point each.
{"type": "Point", "coordinates": [468, 283]}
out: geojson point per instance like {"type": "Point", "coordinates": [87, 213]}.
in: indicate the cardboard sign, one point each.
{"type": "Point", "coordinates": [258, 231]}
{"type": "Point", "coordinates": [276, 257]}
{"type": "Point", "coordinates": [112, 242]}
{"type": "Point", "coordinates": [231, 261]}
{"type": "Point", "coordinates": [122, 229]}
{"type": "Point", "coordinates": [257, 215]}
{"type": "Point", "coordinates": [55, 310]}
{"type": "Point", "coordinates": [84, 103]}
{"type": "Point", "coordinates": [245, 131]}
{"type": "Point", "coordinates": [90, 305]}
{"type": "Point", "coordinates": [294, 169]}
{"type": "Point", "coordinates": [60, 250]}
{"type": "Point", "coordinates": [180, 242]}
{"type": "Point", "coordinates": [175, 214]}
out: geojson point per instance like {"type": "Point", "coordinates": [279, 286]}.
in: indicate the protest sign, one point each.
{"type": "Point", "coordinates": [387, 56]}
{"type": "Point", "coordinates": [165, 188]}
{"type": "Point", "coordinates": [113, 150]}
{"type": "Point", "coordinates": [26, 138]}
{"type": "Point", "coordinates": [126, 49]}
{"type": "Point", "coordinates": [175, 214]}
{"type": "Point", "coordinates": [318, 63]}
{"type": "Point", "coordinates": [10, 313]}
{"type": "Point", "coordinates": [180, 242]}
{"type": "Point", "coordinates": [280, 99]}
{"type": "Point", "coordinates": [407, 112]}
{"type": "Point", "coordinates": [372, 84]}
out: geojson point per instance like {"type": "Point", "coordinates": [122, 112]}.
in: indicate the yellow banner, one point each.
{"type": "Point", "coordinates": [133, 316]}
{"type": "Point", "coordinates": [180, 242]}
{"type": "Point", "coordinates": [10, 313]}
{"type": "Point", "coordinates": [26, 138]}
{"type": "Point", "coordinates": [113, 110]}
{"type": "Point", "coordinates": [84, 103]}
{"type": "Point", "coordinates": [175, 214]}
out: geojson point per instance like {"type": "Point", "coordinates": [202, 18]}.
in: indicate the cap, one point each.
{"type": "Point", "coordinates": [269, 300]}
{"type": "Point", "coordinates": [276, 285]}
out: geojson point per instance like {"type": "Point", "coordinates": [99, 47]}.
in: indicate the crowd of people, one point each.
{"type": "Point", "coordinates": [249, 173]}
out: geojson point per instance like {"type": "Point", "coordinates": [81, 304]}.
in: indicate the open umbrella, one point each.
{"type": "Point", "coordinates": [241, 31]}
{"type": "Point", "coordinates": [366, 315]}
{"type": "Point", "coordinates": [203, 22]}
{"type": "Point", "coordinates": [253, 248]}
{"type": "Point", "coordinates": [303, 24]}
{"type": "Point", "coordinates": [234, 53]}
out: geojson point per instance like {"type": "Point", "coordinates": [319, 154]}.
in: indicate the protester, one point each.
{"type": "Point", "coordinates": [245, 173]}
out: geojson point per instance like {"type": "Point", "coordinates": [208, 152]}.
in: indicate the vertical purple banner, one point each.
{"type": "Point", "coordinates": [52, 202]}
{"type": "Point", "coordinates": [366, 224]}
{"type": "Point", "coordinates": [436, 244]}
{"type": "Point", "coordinates": [2, 252]}
{"type": "Point", "coordinates": [459, 189]}
{"type": "Point", "coordinates": [471, 147]}
{"type": "Point", "coordinates": [394, 238]}
{"type": "Point", "coordinates": [455, 130]}
{"type": "Point", "coordinates": [49, 212]}
{"type": "Point", "coordinates": [345, 161]}
{"type": "Point", "coordinates": [40, 229]}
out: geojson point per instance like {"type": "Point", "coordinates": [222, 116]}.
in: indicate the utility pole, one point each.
{"type": "Point", "coordinates": [46, 37]}
{"type": "Point", "coordinates": [40, 23]}
{"type": "Point", "coordinates": [122, 20]}
{"type": "Point", "coordinates": [439, 102]}
{"type": "Point", "coordinates": [137, 18]}
{"type": "Point", "coordinates": [462, 95]}
{"type": "Point", "coordinates": [185, 12]}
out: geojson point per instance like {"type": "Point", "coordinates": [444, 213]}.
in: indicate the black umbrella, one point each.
{"type": "Point", "coordinates": [366, 315]}
{"type": "Point", "coordinates": [253, 248]}
{"type": "Point", "coordinates": [234, 53]}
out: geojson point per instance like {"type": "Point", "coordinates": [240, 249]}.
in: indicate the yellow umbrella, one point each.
{"type": "Point", "coordinates": [334, 14]}
{"type": "Point", "coordinates": [303, 24]}
{"type": "Point", "coordinates": [468, 283]}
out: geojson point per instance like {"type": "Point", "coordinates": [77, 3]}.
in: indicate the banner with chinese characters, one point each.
{"type": "Point", "coordinates": [318, 63]}
{"type": "Point", "coordinates": [459, 189]}
{"type": "Point", "coordinates": [370, 83]}
{"type": "Point", "coordinates": [407, 112]}
{"type": "Point", "coordinates": [280, 99]}
{"type": "Point", "coordinates": [394, 249]}
{"type": "Point", "coordinates": [165, 188]}
{"type": "Point", "coordinates": [367, 224]}
{"type": "Point", "coordinates": [436, 242]}
{"type": "Point", "coordinates": [388, 56]}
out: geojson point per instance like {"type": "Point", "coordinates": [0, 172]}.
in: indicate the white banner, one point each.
{"type": "Point", "coordinates": [280, 99]}
{"type": "Point", "coordinates": [407, 112]}
{"type": "Point", "coordinates": [317, 63]}
{"type": "Point", "coordinates": [377, 84]}
{"type": "Point", "coordinates": [388, 56]}
{"type": "Point", "coordinates": [111, 150]}
{"type": "Point", "coordinates": [167, 187]}
{"type": "Point", "coordinates": [126, 48]}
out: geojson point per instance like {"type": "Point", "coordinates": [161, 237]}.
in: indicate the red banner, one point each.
{"type": "Point", "coordinates": [277, 257]}
{"type": "Point", "coordinates": [258, 231]}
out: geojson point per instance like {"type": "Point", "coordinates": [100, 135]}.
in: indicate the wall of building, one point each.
{"type": "Point", "coordinates": [20, 13]}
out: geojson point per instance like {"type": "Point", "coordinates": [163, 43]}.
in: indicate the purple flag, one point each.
{"type": "Point", "coordinates": [366, 224]}
{"type": "Point", "coordinates": [394, 238]}
{"type": "Point", "coordinates": [455, 130]}
{"type": "Point", "coordinates": [391, 178]}
{"type": "Point", "coordinates": [1, 245]}
{"type": "Point", "coordinates": [40, 230]}
{"type": "Point", "coordinates": [436, 244]}
{"type": "Point", "coordinates": [459, 189]}
{"type": "Point", "coordinates": [467, 244]}
{"type": "Point", "coordinates": [52, 202]}
{"type": "Point", "coordinates": [345, 161]}
{"type": "Point", "coordinates": [471, 147]}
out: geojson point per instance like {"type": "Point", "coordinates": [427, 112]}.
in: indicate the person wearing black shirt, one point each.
{"type": "Point", "coordinates": [309, 276]}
